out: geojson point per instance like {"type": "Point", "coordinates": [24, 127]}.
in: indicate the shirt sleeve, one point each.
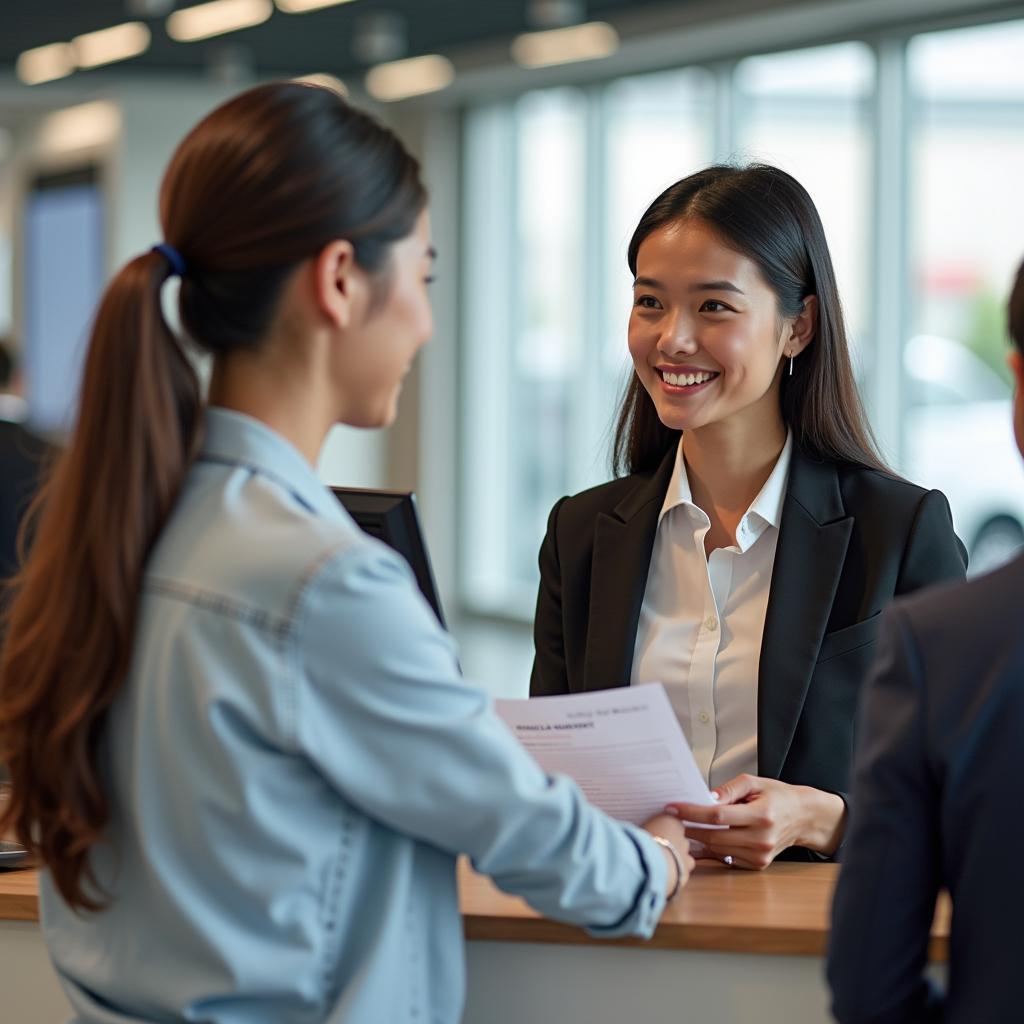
{"type": "Point", "coordinates": [384, 714]}
{"type": "Point", "coordinates": [885, 898]}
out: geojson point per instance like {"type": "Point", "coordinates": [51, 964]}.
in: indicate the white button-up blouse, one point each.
{"type": "Point", "coordinates": [702, 621]}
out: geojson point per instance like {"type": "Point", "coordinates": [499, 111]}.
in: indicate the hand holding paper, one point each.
{"type": "Point", "coordinates": [763, 817]}
{"type": "Point", "coordinates": [623, 747]}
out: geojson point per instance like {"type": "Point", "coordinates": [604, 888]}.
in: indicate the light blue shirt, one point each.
{"type": "Point", "coordinates": [294, 763]}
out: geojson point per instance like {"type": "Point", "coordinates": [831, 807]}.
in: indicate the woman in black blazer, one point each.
{"type": "Point", "coordinates": [740, 355]}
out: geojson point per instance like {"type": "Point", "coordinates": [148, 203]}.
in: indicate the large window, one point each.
{"type": "Point", "coordinates": [523, 295]}
{"type": "Point", "coordinates": [63, 281]}
{"type": "Point", "coordinates": [913, 150]}
{"type": "Point", "coordinates": [810, 113]}
{"type": "Point", "coordinates": [966, 166]}
{"type": "Point", "coordinates": [656, 129]}
{"type": "Point", "coordinates": [556, 181]}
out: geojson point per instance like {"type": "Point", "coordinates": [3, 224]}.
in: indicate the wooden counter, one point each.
{"type": "Point", "coordinates": [781, 911]}
{"type": "Point", "coordinates": [18, 899]}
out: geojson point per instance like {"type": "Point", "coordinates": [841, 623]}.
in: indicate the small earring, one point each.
{"type": "Point", "coordinates": [791, 366]}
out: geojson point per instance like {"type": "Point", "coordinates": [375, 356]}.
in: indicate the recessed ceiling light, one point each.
{"type": "Point", "coordinates": [216, 18]}
{"type": "Point", "coordinates": [45, 63]}
{"type": "Point", "coordinates": [591, 41]}
{"type": "Point", "coordinates": [401, 79]}
{"type": "Point", "coordinates": [111, 44]}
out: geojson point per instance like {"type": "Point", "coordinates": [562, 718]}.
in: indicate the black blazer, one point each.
{"type": "Point", "coordinates": [850, 539]}
{"type": "Point", "coordinates": [936, 803]}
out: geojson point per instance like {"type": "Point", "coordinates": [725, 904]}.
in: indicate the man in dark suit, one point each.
{"type": "Point", "coordinates": [22, 455]}
{"type": "Point", "coordinates": [936, 800]}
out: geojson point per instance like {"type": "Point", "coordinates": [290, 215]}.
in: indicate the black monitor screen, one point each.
{"type": "Point", "coordinates": [391, 516]}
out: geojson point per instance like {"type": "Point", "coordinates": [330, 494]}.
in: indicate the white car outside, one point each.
{"type": "Point", "coordinates": [959, 438]}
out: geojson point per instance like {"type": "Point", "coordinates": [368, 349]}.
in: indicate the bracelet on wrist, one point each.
{"type": "Point", "coordinates": [677, 860]}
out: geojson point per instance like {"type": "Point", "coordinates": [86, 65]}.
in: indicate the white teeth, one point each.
{"type": "Point", "coordinates": [686, 379]}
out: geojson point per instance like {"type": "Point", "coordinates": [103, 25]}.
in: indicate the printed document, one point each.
{"type": "Point", "coordinates": [624, 747]}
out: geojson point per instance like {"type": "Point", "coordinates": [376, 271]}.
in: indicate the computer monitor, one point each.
{"type": "Point", "coordinates": [391, 516]}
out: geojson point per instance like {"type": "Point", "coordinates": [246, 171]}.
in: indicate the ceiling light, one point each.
{"type": "Point", "coordinates": [325, 82]}
{"type": "Point", "coordinates": [45, 63]}
{"type": "Point", "coordinates": [413, 77]}
{"type": "Point", "coordinates": [216, 18]}
{"type": "Point", "coordinates": [83, 127]}
{"type": "Point", "coordinates": [111, 44]}
{"type": "Point", "coordinates": [301, 6]}
{"type": "Point", "coordinates": [592, 41]}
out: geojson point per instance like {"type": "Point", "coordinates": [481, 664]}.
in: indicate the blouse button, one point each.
{"type": "Point", "coordinates": [704, 717]}
{"type": "Point", "coordinates": [711, 623]}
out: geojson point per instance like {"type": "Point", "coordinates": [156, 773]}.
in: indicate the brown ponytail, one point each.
{"type": "Point", "coordinates": [263, 183]}
{"type": "Point", "coordinates": [69, 631]}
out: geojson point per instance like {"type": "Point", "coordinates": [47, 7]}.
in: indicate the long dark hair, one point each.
{"type": "Point", "coordinates": [767, 215]}
{"type": "Point", "coordinates": [260, 185]}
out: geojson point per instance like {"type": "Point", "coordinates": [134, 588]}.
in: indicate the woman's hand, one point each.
{"type": "Point", "coordinates": [764, 817]}
{"type": "Point", "coordinates": [670, 828]}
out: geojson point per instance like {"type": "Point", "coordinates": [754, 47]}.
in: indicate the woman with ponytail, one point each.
{"type": "Point", "coordinates": [238, 740]}
{"type": "Point", "coordinates": [754, 534]}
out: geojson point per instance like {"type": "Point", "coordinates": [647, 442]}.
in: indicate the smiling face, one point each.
{"type": "Point", "coordinates": [705, 332]}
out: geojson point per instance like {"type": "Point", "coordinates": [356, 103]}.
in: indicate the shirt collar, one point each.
{"type": "Point", "coordinates": [768, 503]}
{"type": "Point", "coordinates": [236, 439]}
{"type": "Point", "coordinates": [765, 510]}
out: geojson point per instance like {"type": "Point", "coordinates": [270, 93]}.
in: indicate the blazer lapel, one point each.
{"type": "Point", "coordinates": [809, 557]}
{"type": "Point", "coordinates": [623, 542]}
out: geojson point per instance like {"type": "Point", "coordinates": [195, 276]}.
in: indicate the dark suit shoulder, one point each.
{"type": "Point", "coordinates": [896, 517]}
{"type": "Point", "coordinates": [586, 505]}
{"type": "Point", "coordinates": [864, 489]}
{"type": "Point", "coordinates": [985, 609]}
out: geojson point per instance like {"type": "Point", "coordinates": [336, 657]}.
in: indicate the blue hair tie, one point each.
{"type": "Point", "coordinates": [173, 257]}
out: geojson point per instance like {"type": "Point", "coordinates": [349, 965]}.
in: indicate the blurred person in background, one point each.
{"type": "Point", "coordinates": [22, 458]}
{"type": "Point", "coordinates": [755, 534]}
{"type": "Point", "coordinates": [936, 799]}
